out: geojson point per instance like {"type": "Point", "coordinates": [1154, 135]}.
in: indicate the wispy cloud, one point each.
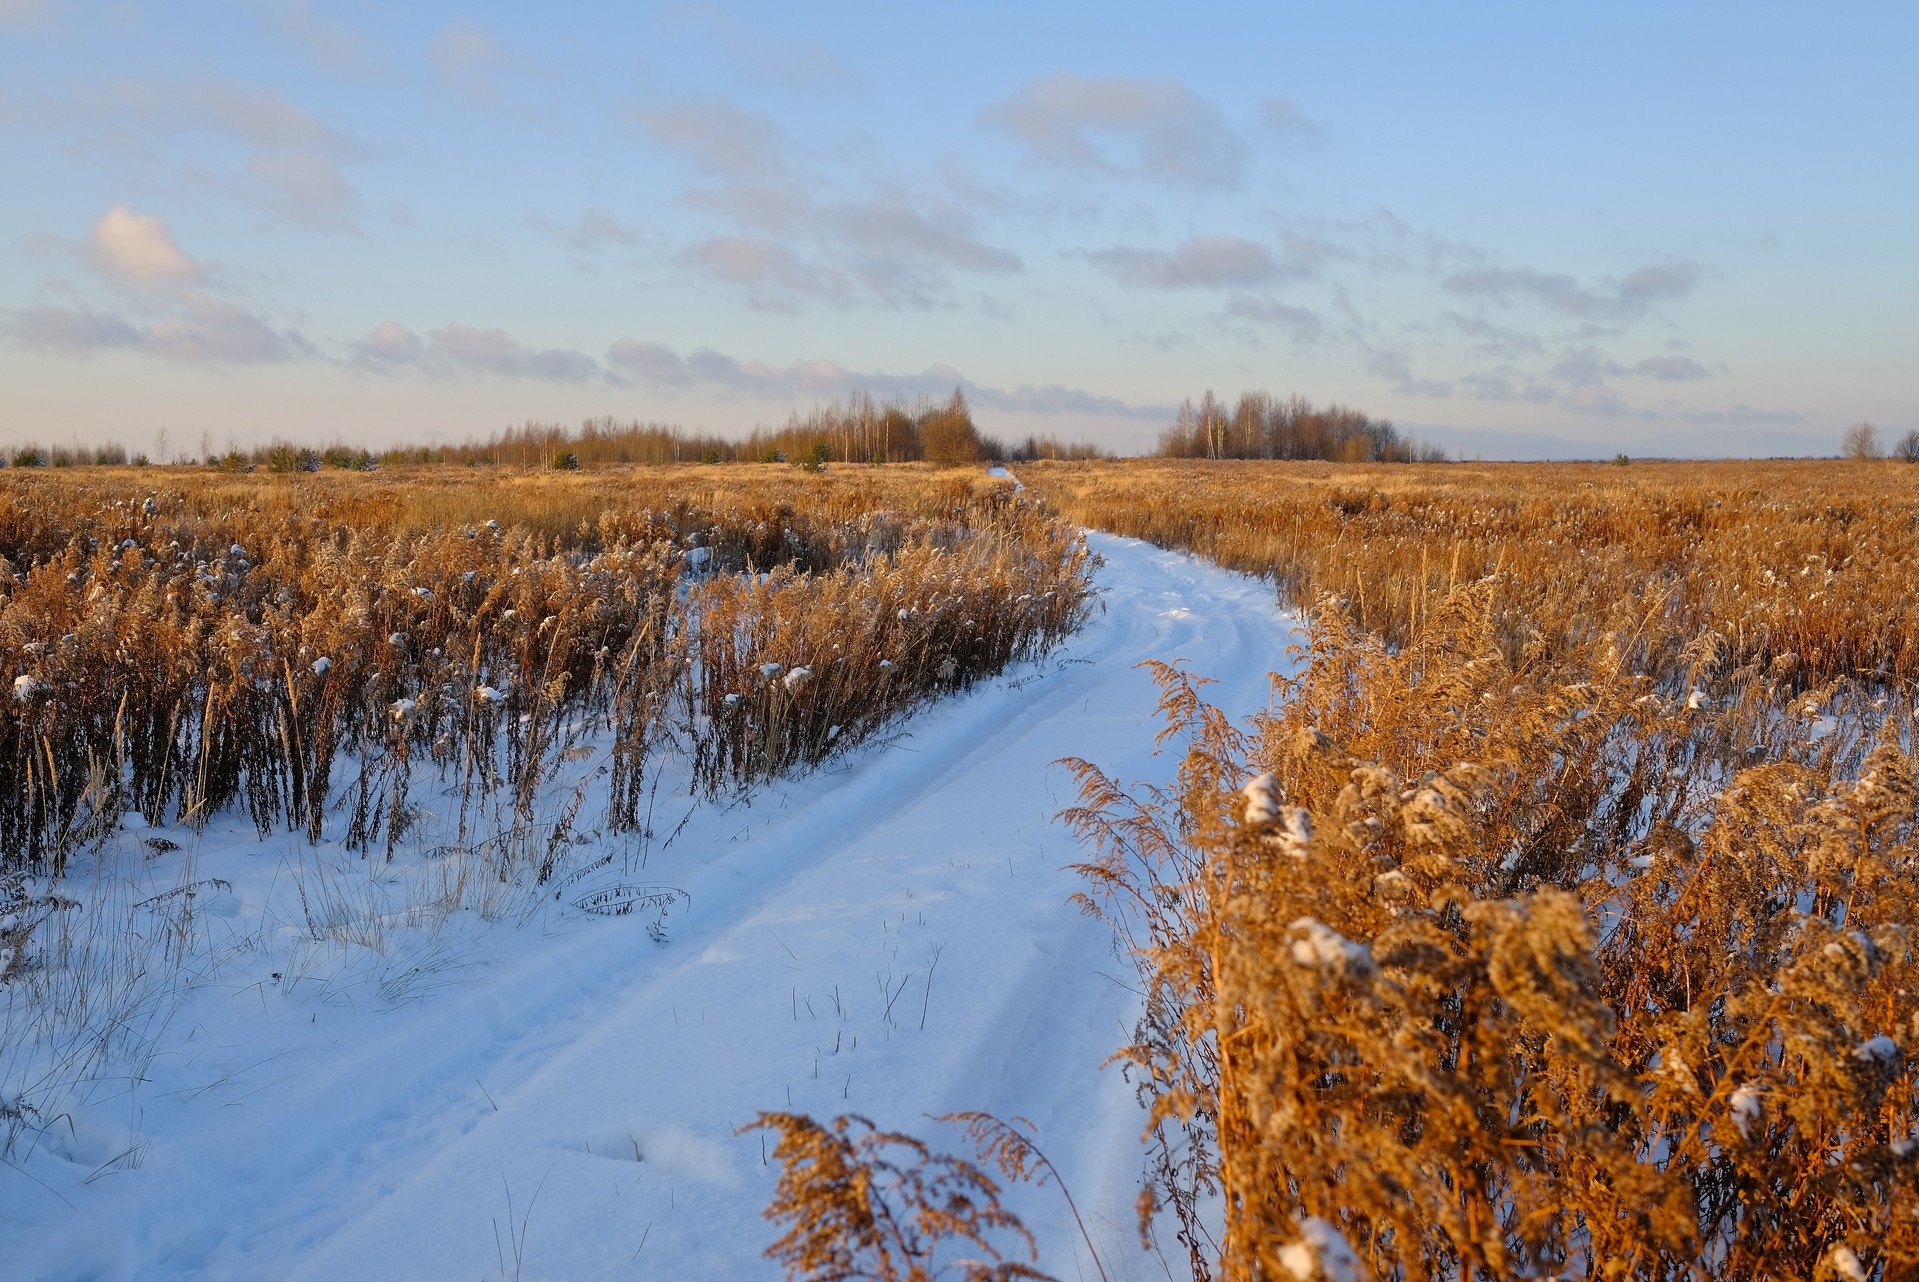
{"type": "Point", "coordinates": [892, 227]}
{"type": "Point", "coordinates": [1282, 116]}
{"type": "Point", "coordinates": [797, 242]}
{"type": "Point", "coordinates": [772, 276]}
{"type": "Point", "coordinates": [805, 65]}
{"type": "Point", "coordinates": [1158, 129]}
{"type": "Point", "coordinates": [331, 45]}
{"type": "Point", "coordinates": [458, 349]}
{"type": "Point", "coordinates": [658, 365]}
{"type": "Point", "coordinates": [1491, 339]}
{"type": "Point", "coordinates": [1507, 385]}
{"type": "Point", "coordinates": [469, 60]}
{"type": "Point", "coordinates": [1204, 262]}
{"type": "Point", "coordinates": [1672, 369]}
{"type": "Point", "coordinates": [201, 331]}
{"type": "Point", "coordinates": [1262, 311]}
{"type": "Point", "coordinates": [1623, 298]}
{"type": "Point", "coordinates": [1396, 369]}
{"type": "Point", "coordinates": [289, 163]}
{"type": "Point", "coordinates": [742, 146]}
{"type": "Point", "coordinates": [595, 229]}
{"type": "Point", "coordinates": [1595, 402]}
{"type": "Point", "coordinates": [1741, 413]}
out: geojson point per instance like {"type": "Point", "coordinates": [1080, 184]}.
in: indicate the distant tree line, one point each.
{"type": "Point", "coordinates": [861, 429]}
{"type": "Point", "coordinates": [1264, 426]}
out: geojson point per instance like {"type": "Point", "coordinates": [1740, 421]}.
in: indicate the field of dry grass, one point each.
{"type": "Point", "coordinates": [1565, 927]}
{"type": "Point", "coordinates": [1809, 565]}
{"type": "Point", "coordinates": [180, 642]}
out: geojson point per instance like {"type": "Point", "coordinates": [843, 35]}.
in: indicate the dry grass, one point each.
{"type": "Point", "coordinates": [1565, 928]}
{"type": "Point", "coordinates": [1810, 564]}
{"type": "Point", "coordinates": [300, 646]}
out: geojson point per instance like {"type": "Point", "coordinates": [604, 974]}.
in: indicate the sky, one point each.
{"type": "Point", "coordinates": [1518, 231]}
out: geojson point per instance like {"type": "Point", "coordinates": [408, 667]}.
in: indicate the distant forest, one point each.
{"type": "Point", "coordinates": [860, 429]}
{"type": "Point", "coordinates": [1263, 426]}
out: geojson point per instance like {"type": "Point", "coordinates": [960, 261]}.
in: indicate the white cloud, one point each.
{"type": "Point", "coordinates": [138, 249]}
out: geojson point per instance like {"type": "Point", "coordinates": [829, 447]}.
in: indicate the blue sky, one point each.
{"type": "Point", "coordinates": [1520, 230]}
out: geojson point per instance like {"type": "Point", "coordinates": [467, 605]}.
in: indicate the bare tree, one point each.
{"type": "Point", "coordinates": [1862, 441]}
{"type": "Point", "coordinates": [1907, 450]}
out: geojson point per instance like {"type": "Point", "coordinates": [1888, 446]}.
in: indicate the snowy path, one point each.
{"type": "Point", "coordinates": [289, 1137]}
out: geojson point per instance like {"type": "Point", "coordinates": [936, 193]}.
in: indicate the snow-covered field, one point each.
{"type": "Point", "coordinates": [349, 1085]}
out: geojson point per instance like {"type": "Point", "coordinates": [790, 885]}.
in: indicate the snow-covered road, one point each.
{"type": "Point", "coordinates": [889, 937]}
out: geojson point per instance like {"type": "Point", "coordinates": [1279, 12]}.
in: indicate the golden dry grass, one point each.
{"type": "Point", "coordinates": [182, 642]}
{"type": "Point", "coordinates": [1565, 927]}
{"type": "Point", "coordinates": [1814, 564]}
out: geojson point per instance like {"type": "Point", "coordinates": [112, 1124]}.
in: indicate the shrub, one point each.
{"type": "Point", "coordinates": [566, 461]}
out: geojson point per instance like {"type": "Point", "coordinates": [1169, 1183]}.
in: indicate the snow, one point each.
{"type": "Point", "coordinates": [1262, 799]}
{"type": "Point", "coordinates": [1746, 1109]}
{"type": "Point", "coordinates": [1845, 1263]}
{"type": "Point", "coordinates": [26, 687]}
{"type": "Point", "coordinates": [1877, 1050]}
{"type": "Point", "coordinates": [1320, 947]}
{"type": "Point", "coordinates": [350, 1082]}
{"type": "Point", "coordinates": [1321, 1252]}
